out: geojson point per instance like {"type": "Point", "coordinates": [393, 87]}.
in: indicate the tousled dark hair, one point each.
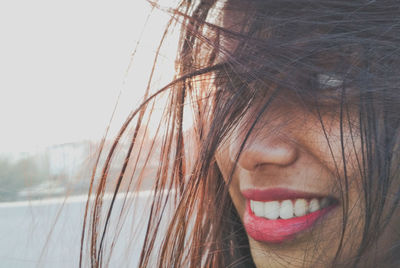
{"type": "Point", "coordinates": [276, 48]}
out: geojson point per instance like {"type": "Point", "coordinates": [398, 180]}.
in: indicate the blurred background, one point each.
{"type": "Point", "coordinates": [64, 65]}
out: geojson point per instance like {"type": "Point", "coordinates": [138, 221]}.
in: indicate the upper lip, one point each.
{"type": "Point", "coordinates": [272, 194]}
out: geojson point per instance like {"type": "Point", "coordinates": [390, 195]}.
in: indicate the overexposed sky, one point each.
{"type": "Point", "coordinates": [62, 65]}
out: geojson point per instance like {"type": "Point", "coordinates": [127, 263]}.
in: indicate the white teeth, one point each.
{"type": "Point", "coordinates": [258, 208]}
{"type": "Point", "coordinates": [314, 205]}
{"type": "Point", "coordinates": [300, 207]}
{"type": "Point", "coordinates": [286, 210]}
{"type": "Point", "coordinates": [271, 210]}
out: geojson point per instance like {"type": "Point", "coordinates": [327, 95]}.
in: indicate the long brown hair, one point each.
{"type": "Point", "coordinates": [278, 46]}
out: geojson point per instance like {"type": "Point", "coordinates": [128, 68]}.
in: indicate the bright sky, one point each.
{"type": "Point", "coordinates": [62, 65]}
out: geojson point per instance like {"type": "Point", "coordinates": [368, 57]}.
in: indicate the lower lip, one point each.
{"type": "Point", "coordinates": [280, 230]}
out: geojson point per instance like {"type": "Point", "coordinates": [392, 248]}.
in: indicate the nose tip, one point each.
{"type": "Point", "coordinates": [271, 152]}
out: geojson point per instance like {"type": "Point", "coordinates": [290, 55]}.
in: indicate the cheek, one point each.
{"type": "Point", "coordinates": [335, 148]}
{"type": "Point", "coordinates": [225, 164]}
{"type": "Point", "coordinates": [223, 160]}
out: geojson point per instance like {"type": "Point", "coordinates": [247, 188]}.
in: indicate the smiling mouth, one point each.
{"type": "Point", "coordinates": [287, 209]}
{"type": "Point", "coordinates": [278, 220]}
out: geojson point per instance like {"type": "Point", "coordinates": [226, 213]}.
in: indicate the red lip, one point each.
{"type": "Point", "coordinates": [276, 194]}
{"type": "Point", "coordinates": [279, 230]}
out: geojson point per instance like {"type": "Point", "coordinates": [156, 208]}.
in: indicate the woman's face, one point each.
{"type": "Point", "coordinates": [288, 181]}
{"type": "Point", "coordinates": [297, 179]}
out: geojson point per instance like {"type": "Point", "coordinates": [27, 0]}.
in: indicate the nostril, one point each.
{"type": "Point", "coordinates": [267, 153]}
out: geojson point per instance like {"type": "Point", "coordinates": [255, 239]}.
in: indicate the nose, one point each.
{"type": "Point", "coordinates": [269, 151]}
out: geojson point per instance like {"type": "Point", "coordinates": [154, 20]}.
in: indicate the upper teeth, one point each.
{"type": "Point", "coordinates": [287, 209]}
